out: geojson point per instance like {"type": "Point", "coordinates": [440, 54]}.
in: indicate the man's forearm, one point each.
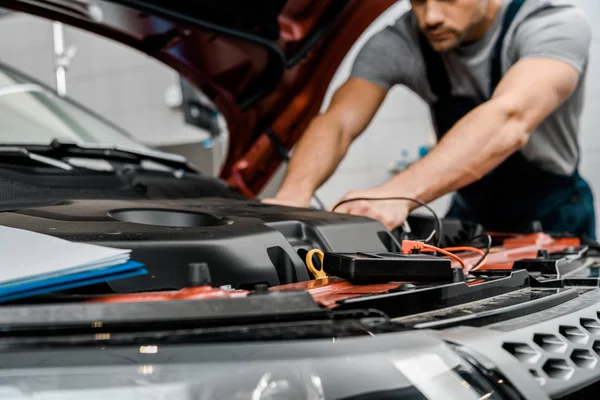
{"type": "Point", "coordinates": [315, 159]}
{"type": "Point", "coordinates": [327, 139]}
{"type": "Point", "coordinates": [472, 148]}
{"type": "Point", "coordinates": [531, 90]}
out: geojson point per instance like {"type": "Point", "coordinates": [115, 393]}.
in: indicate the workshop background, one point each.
{"type": "Point", "coordinates": [141, 95]}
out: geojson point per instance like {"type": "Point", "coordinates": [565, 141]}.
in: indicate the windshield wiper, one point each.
{"type": "Point", "coordinates": [21, 88]}
{"type": "Point", "coordinates": [23, 157]}
{"type": "Point", "coordinates": [52, 154]}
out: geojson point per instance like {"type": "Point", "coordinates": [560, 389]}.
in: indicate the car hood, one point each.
{"type": "Point", "coordinates": [267, 68]}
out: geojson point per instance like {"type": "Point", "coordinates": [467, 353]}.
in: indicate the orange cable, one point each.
{"type": "Point", "coordinates": [447, 253]}
{"type": "Point", "coordinates": [465, 248]}
{"type": "Point", "coordinates": [409, 246]}
{"type": "Point", "coordinates": [477, 268]}
{"type": "Point", "coordinates": [473, 249]}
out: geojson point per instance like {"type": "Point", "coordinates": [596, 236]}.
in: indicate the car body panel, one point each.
{"type": "Point", "coordinates": [257, 78]}
{"type": "Point", "coordinates": [161, 327]}
{"type": "Point", "coordinates": [330, 291]}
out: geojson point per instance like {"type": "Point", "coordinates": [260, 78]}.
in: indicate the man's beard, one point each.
{"type": "Point", "coordinates": [454, 40]}
{"type": "Point", "coordinates": [446, 45]}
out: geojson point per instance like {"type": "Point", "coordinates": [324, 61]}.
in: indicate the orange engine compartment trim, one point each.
{"type": "Point", "coordinates": [327, 292]}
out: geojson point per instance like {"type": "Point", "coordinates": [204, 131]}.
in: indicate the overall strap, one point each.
{"type": "Point", "coordinates": [438, 78]}
{"type": "Point", "coordinates": [509, 17]}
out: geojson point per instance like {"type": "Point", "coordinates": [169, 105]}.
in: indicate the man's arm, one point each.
{"type": "Point", "coordinates": [327, 139]}
{"type": "Point", "coordinates": [531, 90]}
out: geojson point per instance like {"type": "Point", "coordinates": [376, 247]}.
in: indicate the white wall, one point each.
{"type": "Point", "coordinates": [122, 84]}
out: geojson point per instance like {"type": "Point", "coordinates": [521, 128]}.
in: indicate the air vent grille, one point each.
{"type": "Point", "coordinates": [523, 352]}
{"type": "Point", "coordinates": [558, 369]}
{"type": "Point", "coordinates": [550, 343]}
{"type": "Point", "coordinates": [557, 349]}
{"type": "Point", "coordinates": [574, 334]}
{"type": "Point", "coordinates": [561, 352]}
{"type": "Point", "coordinates": [591, 325]}
{"type": "Point", "coordinates": [584, 358]}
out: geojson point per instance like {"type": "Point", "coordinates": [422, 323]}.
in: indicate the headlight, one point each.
{"type": "Point", "coordinates": [394, 366]}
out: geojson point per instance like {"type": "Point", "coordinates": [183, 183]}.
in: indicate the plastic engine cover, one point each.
{"type": "Point", "coordinates": [244, 243]}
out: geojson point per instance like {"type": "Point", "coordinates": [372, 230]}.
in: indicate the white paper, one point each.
{"type": "Point", "coordinates": [27, 256]}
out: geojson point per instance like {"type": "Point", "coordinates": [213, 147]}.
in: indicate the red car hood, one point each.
{"type": "Point", "coordinates": [266, 65]}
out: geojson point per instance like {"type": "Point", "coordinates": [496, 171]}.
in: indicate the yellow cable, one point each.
{"type": "Point", "coordinates": [318, 273]}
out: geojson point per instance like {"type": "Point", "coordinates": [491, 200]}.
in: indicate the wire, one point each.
{"type": "Point", "coordinates": [320, 204]}
{"type": "Point", "coordinates": [419, 202]}
{"type": "Point", "coordinates": [412, 246]}
{"type": "Point", "coordinates": [481, 262]}
{"type": "Point", "coordinates": [409, 246]}
{"type": "Point", "coordinates": [318, 273]}
{"type": "Point", "coordinates": [446, 253]}
{"type": "Point", "coordinates": [430, 236]}
{"type": "Point", "coordinates": [465, 248]}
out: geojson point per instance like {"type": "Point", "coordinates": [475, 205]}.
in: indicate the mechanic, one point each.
{"type": "Point", "coordinates": [504, 80]}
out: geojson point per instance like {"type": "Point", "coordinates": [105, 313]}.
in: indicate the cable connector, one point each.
{"type": "Point", "coordinates": [412, 246]}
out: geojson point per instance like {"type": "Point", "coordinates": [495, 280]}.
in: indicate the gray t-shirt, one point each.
{"type": "Point", "coordinates": [542, 28]}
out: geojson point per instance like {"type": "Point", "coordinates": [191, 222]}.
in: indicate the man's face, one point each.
{"type": "Point", "coordinates": [447, 23]}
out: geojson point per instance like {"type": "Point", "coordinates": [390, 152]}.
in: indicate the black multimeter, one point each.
{"type": "Point", "coordinates": [388, 267]}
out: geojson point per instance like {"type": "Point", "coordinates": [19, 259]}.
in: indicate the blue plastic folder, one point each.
{"type": "Point", "coordinates": [32, 264]}
{"type": "Point", "coordinates": [72, 281]}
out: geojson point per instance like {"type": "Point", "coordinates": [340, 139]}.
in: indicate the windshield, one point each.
{"type": "Point", "coordinates": [32, 114]}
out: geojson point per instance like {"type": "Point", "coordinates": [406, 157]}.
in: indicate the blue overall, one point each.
{"type": "Point", "coordinates": [517, 195]}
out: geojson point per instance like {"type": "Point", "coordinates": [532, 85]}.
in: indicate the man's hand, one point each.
{"type": "Point", "coordinates": [391, 213]}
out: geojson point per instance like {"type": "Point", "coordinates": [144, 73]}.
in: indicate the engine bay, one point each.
{"type": "Point", "coordinates": [215, 248]}
{"type": "Point", "coordinates": [235, 271]}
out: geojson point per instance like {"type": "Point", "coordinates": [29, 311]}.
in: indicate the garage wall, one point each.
{"type": "Point", "coordinates": [122, 84]}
